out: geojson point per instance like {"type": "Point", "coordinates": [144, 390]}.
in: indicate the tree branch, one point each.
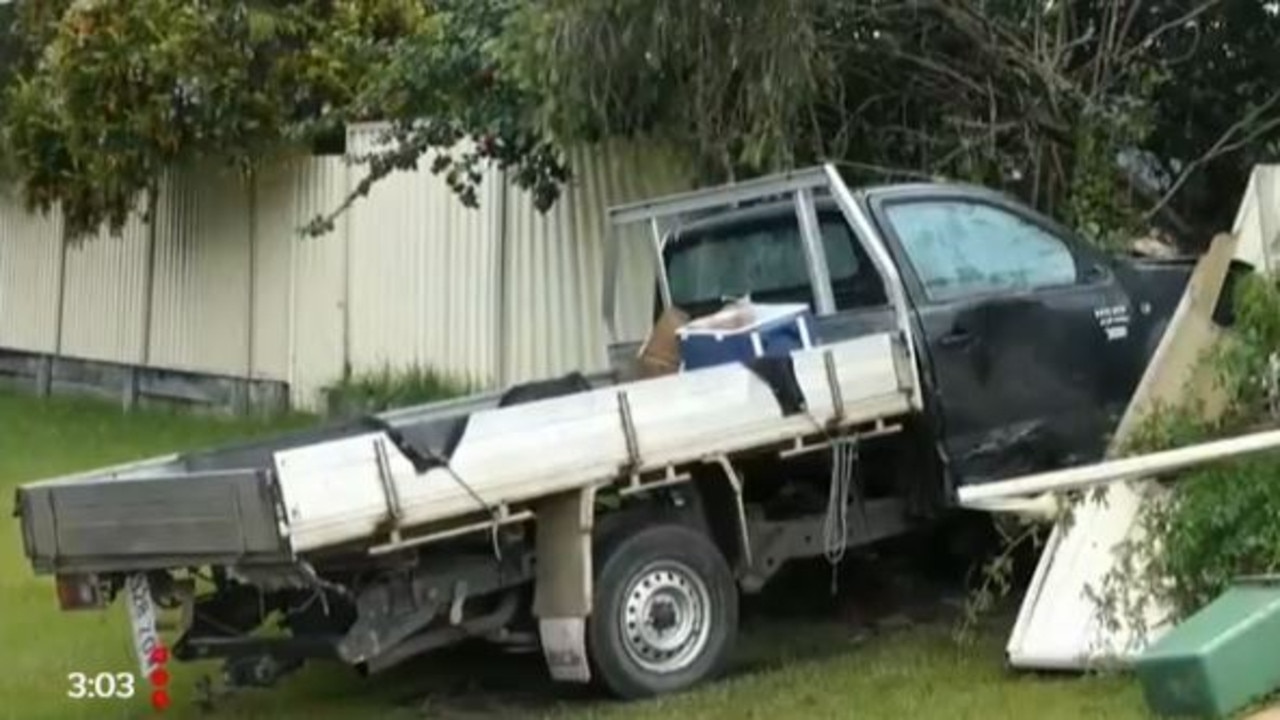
{"type": "Point", "coordinates": [1224, 145]}
{"type": "Point", "coordinates": [1178, 22]}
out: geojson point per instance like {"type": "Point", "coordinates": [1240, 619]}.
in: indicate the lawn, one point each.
{"type": "Point", "coordinates": [789, 665]}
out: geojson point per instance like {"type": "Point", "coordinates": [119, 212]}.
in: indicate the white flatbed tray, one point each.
{"type": "Point", "coordinates": [347, 490]}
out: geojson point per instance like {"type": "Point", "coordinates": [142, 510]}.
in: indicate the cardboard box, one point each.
{"type": "Point", "coordinates": [660, 354]}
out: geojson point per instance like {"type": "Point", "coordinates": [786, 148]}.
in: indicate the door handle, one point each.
{"type": "Point", "coordinates": [956, 338]}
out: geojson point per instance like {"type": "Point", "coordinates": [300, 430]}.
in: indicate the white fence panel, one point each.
{"type": "Point", "coordinates": [29, 276]}
{"type": "Point", "coordinates": [225, 283]}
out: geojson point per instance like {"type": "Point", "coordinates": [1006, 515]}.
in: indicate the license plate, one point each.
{"type": "Point", "coordinates": [142, 617]}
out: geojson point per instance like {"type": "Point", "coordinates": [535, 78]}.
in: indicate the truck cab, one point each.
{"type": "Point", "coordinates": [1030, 340]}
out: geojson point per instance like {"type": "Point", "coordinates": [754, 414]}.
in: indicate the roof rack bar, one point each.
{"type": "Point", "coordinates": [717, 198]}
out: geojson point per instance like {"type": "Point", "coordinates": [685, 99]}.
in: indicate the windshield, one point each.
{"type": "Point", "coordinates": [764, 258]}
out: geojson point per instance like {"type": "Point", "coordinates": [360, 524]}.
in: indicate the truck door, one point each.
{"type": "Point", "coordinates": [1026, 331]}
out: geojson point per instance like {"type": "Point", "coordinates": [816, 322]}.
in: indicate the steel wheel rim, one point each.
{"type": "Point", "coordinates": [665, 619]}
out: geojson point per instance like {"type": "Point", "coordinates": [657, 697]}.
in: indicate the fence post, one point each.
{"type": "Point", "coordinates": [44, 374]}
{"type": "Point", "coordinates": [132, 383]}
{"type": "Point", "coordinates": [242, 397]}
{"type": "Point", "coordinates": [296, 174]}
{"type": "Point", "coordinates": [503, 322]}
{"type": "Point", "coordinates": [346, 271]}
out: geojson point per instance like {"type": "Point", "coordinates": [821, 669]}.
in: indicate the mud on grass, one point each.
{"type": "Point", "coordinates": [802, 655]}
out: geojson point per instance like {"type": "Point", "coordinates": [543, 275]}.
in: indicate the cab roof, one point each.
{"type": "Point", "coordinates": [774, 209]}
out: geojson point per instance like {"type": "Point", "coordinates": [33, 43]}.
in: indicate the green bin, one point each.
{"type": "Point", "coordinates": [1221, 659]}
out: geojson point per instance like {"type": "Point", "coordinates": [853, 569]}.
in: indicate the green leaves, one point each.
{"type": "Point", "coordinates": [1040, 99]}
{"type": "Point", "coordinates": [737, 83]}
{"type": "Point", "coordinates": [1221, 526]}
{"type": "Point", "coordinates": [125, 89]}
{"type": "Point", "coordinates": [1219, 522]}
{"type": "Point", "coordinates": [452, 103]}
{"type": "Point", "coordinates": [1037, 99]}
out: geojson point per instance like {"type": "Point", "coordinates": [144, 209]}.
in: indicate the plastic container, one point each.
{"type": "Point", "coordinates": [760, 331]}
{"type": "Point", "coordinates": [1220, 659]}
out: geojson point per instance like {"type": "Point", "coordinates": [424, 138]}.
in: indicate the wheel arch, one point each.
{"type": "Point", "coordinates": [708, 503]}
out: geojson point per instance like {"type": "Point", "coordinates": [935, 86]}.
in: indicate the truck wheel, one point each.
{"type": "Point", "coordinates": [666, 612]}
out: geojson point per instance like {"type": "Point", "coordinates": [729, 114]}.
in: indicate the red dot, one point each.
{"type": "Point", "coordinates": [160, 699]}
{"type": "Point", "coordinates": [160, 655]}
{"type": "Point", "coordinates": [159, 677]}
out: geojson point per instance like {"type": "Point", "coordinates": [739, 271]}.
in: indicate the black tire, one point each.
{"type": "Point", "coordinates": [683, 569]}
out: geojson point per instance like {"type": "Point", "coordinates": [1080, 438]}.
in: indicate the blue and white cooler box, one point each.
{"type": "Point", "coordinates": [774, 330]}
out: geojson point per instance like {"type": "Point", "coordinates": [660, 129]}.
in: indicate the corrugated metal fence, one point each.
{"type": "Point", "coordinates": [223, 283]}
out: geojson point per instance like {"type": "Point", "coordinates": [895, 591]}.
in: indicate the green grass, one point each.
{"type": "Point", "coordinates": [388, 388]}
{"type": "Point", "coordinates": [795, 667]}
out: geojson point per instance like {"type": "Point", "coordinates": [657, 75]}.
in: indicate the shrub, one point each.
{"type": "Point", "coordinates": [1219, 522]}
{"type": "Point", "coordinates": [389, 388]}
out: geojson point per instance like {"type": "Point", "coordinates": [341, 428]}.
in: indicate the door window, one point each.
{"type": "Point", "coordinates": [765, 258]}
{"type": "Point", "coordinates": [962, 248]}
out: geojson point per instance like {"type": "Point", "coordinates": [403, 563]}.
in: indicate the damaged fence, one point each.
{"type": "Point", "coordinates": [1063, 622]}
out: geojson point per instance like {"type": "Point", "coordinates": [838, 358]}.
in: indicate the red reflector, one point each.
{"type": "Point", "coordinates": [79, 592]}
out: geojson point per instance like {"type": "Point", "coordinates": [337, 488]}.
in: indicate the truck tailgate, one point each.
{"type": "Point", "coordinates": [116, 524]}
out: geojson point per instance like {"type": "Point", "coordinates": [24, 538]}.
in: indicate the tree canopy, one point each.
{"type": "Point", "coordinates": [1111, 114]}
{"type": "Point", "coordinates": [1092, 109]}
{"type": "Point", "coordinates": [108, 94]}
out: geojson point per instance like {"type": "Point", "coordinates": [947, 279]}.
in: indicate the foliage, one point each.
{"type": "Point", "coordinates": [991, 582]}
{"type": "Point", "coordinates": [1215, 523]}
{"type": "Point", "coordinates": [739, 83]}
{"type": "Point", "coordinates": [1039, 98]}
{"type": "Point", "coordinates": [1219, 117]}
{"type": "Point", "coordinates": [118, 91]}
{"type": "Point", "coordinates": [449, 97]}
{"type": "Point", "coordinates": [1220, 526]}
{"type": "Point", "coordinates": [1111, 114]}
{"type": "Point", "coordinates": [1093, 206]}
{"type": "Point", "coordinates": [10, 43]}
{"type": "Point", "coordinates": [10, 56]}
{"type": "Point", "coordinates": [148, 101]}
{"type": "Point", "coordinates": [389, 388]}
